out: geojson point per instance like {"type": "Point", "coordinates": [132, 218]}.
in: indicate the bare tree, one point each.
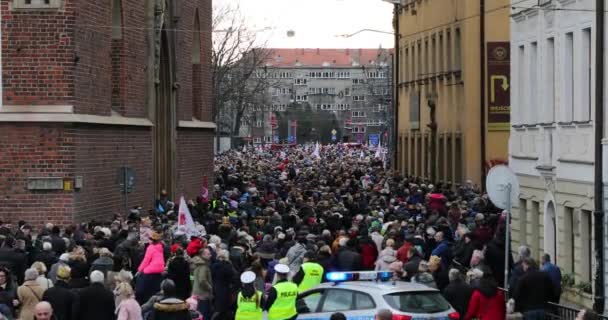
{"type": "Point", "coordinates": [237, 71]}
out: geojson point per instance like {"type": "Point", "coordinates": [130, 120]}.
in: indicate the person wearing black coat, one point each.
{"type": "Point", "coordinates": [57, 241]}
{"type": "Point", "coordinates": [178, 270]}
{"type": "Point", "coordinates": [13, 259]}
{"type": "Point", "coordinates": [62, 299]}
{"type": "Point", "coordinates": [533, 290]}
{"type": "Point", "coordinates": [347, 258]}
{"type": "Point", "coordinates": [95, 302]}
{"type": "Point", "coordinates": [223, 277]}
{"type": "Point", "coordinates": [8, 292]}
{"type": "Point", "coordinates": [170, 307]}
{"type": "Point", "coordinates": [458, 292]}
{"type": "Point", "coordinates": [79, 272]}
{"type": "Point", "coordinates": [46, 256]}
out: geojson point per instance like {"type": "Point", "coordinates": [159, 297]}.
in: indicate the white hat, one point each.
{"type": "Point", "coordinates": [247, 277]}
{"type": "Point", "coordinates": [281, 268]}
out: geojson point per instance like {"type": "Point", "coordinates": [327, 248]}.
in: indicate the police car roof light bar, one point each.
{"type": "Point", "coordinates": [359, 276]}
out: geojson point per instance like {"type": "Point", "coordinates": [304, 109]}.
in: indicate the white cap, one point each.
{"type": "Point", "coordinates": [247, 277]}
{"type": "Point", "coordinates": [281, 268]}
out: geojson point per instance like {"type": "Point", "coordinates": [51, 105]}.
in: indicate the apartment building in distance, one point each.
{"type": "Point", "coordinates": [325, 95]}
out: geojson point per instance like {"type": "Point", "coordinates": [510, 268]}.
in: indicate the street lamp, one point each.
{"type": "Point", "coordinates": [431, 98]}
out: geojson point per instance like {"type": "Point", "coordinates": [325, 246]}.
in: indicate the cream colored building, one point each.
{"type": "Point", "coordinates": [440, 52]}
{"type": "Point", "coordinates": [552, 131]}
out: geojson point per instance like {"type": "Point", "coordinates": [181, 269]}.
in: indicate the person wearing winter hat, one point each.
{"type": "Point", "coordinates": [281, 301]}
{"type": "Point", "coordinates": [63, 261]}
{"type": "Point", "coordinates": [249, 300]}
{"type": "Point", "coordinates": [61, 297]}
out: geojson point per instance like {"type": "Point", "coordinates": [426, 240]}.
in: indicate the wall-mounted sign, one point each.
{"type": "Point", "coordinates": [498, 87]}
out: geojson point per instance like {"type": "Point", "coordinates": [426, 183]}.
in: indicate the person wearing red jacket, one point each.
{"type": "Point", "coordinates": [487, 301]}
{"type": "Point", "coordinates": [369, 253]}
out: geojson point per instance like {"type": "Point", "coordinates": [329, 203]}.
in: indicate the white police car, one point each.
{"type": "Point", "coordinates": [359, 295]}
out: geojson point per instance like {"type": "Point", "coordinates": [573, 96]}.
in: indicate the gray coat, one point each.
{"type": "Point", "coordinates": [202, 284]}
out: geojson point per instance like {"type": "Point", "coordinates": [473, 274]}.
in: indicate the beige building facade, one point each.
{"type": "Point", "coordinates": [439, 60]}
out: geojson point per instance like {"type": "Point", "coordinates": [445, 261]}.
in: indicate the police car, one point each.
{"type": "Point", "coordinates": [359, 295]}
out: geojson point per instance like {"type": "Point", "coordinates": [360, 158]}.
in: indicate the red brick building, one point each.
{"type": "Point", "coordinates": [93, 87]}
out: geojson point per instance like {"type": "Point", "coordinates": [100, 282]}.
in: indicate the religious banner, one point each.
{"type": "Point", "coordinates": [498, 87]}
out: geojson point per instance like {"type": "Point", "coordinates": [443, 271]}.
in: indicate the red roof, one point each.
{"type": "Point", "coordinates": [327, 57]}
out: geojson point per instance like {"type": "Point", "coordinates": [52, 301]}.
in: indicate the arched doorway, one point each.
{"type": "Point", "coordinates": [550, 231]}
{"type": "Point", "coordinates": [164, 120]}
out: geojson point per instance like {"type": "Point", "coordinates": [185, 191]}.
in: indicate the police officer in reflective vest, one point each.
{"type": "Point", "coordinates": [310, 274]}
{"type": "Point", "coordinates": [281, 301]}
{"type": "Point", "coordinates": [249, 300]}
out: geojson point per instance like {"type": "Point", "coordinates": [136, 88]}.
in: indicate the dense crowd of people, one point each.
{"type": "Point", "coordinates": [273, 223]}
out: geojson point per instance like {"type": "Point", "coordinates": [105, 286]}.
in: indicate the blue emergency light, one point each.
{"type": "Point", "coordinates": [359, 276]}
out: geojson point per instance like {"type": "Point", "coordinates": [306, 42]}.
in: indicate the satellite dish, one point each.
{"type": "Point", "coordinates": [497, 183]}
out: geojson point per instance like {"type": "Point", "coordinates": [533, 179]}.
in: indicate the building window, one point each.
{"type": "Point", "coordinates": [585, 60]}
{"type": "Point", "coordinates": [457, 48]}
{"type": "Point", "coordinates": [533, 84]}
{"type": "Point", "coordinates": [433, 54]}
{"type": "Point", "coordinates": [257, 140]}
{"type": "Point", "coordinates": [358, 81]}
{"type": "Point", "coordinates": [359, 98]}
{"type": "Point", "coordinates": [259, 123]}
{"type": "Point", "coordinates": [343, 75]}
{"type": "Point", "coordinates": [521, 61]}
{"type": "Point", "coordinates": [358, 114]}
{"type": "Point", "coordinates": [569, 240]}
{"type": "Point", "coordinates": [550, 81]}
{"type": "Point", "coordinates": [347, 92]}
{"type": "Point", "coordinates": [441, 54]}
{"type": "Point", "coordinates": [284, 75]}
{"type": "Point", "coordinates": [585, 246]}
{"type": "Point", "coordinates": [300, 81]}
{"type": "Point", "coordinates": [275, 92]}
{"type": "Point", "coordinates": [359, 129]}
{"type": "Point", "coordinates": [267, 139]}
{"type": "Point", "coordinates": [302, 98]}
{"type": "Point", "coordinates": [523, 233]}
{"type": "Point", "coordinates": [379, 108]}
{"type": "Point", "coordinates": [419, 70]}
{"type": "Point", "coordinates": [406, 69]}
{"type": "Point", "coordinates": [568, 111]}
{"type": "Point", "coordinates": [448, 50]}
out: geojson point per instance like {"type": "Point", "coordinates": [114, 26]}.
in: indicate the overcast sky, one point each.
{"type": "Point", "coordinates": [317, 22]}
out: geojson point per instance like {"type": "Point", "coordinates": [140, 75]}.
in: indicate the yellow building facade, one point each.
{"type": "Point", "coordinates": [440, 60]}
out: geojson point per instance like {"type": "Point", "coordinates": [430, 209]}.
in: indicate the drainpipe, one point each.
{"type": "Point", "coordinates": [396, 68]}
{"type": "Point", "coordinates": [598, 227]}
{"type": "Point", "coordinates": [482, 88]}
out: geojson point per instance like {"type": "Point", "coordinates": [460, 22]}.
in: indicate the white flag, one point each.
{"type": "Point", "coordinates": [378, 152]}
{"type": "Point", "coordinates": [362, 155]}
{"type": "Point", "coordinates": [317, 152]}
{"type": "Point", "coordinates": [185, 223]}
